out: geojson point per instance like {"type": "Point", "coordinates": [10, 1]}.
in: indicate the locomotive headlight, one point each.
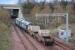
{"type": "Point", "coordinates": [29, 29]}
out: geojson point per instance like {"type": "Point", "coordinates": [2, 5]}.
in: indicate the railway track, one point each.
{"type": "Point", "coordinates": [39, 45]}
{"type": "Point", "coordinates": [59, 45]}
{"type": "Point", "coordinates": [17, 44]}
{"type": "Point", "coordinates": [65, 46]}
{"type": "Point", "coordinates": [26, 43]}
{"type": "Point", "coordinates": [32, 44]}
{"type": "Point", "coordinates": [24, 40]}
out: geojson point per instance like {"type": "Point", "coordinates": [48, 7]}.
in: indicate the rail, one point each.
{"type": "Point", "coordinates": [19, 37]}
{"type": "Point", "coordinates": [64, 45]}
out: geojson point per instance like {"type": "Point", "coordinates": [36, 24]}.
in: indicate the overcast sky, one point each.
{"type": "Point", "coordinates": [15, 1]}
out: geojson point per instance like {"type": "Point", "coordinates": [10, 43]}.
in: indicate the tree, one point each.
{"type": "Point", "coordinates": [26, 8]}
{"type": "Point", "coordinates": [51, 7]}
{"type": "Point", "coordinates": [73, 4]}
{"type": "Point", "coordinates": [28, 5]}
{"type": "Point", "coordinates": [27, 1]}
{"type": "Point", "coordinates": [4, 16]}
{"type": "Point", "coordinates": [64, 4]}
{"type": "Point", "coordinates": [41, 4]}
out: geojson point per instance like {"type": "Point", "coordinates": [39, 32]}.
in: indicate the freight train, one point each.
{"type": "Point", "coordinates": [40, 35]}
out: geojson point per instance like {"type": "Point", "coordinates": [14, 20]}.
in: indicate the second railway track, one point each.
{"type": "Point", "coordinates": [29, 42]}
{"type": "Point", "coordinates": [37, 44]}
{"type": "Point", "coordinates": [32, 44]}
{"type": "Point", "coordinates": [40, 46]}
{"type": "Point", "coordinates": [26, 43]}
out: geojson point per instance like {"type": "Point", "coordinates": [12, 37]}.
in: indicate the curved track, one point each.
{"type": "Point", "coordinates": [30, 43]}
{"type": "Point", "coordinates": [17, 43]}
{"type": "Point", "coordinates": [25, 41]}
{"type": "Point", "coordinates": [39, 45]}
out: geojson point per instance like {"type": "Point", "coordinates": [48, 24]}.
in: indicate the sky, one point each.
{"type": "Point", "coordinates": [8, 1]}
{"type": "Point", "coordinates": [15, 1]}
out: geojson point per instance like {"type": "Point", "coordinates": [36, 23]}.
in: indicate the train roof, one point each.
{"type": "Point", "coordinates": [23, 21]}
{"type": "Point", "coordinates": [26, 22]}
{"type": "Point", "coordinates": [19, 19]}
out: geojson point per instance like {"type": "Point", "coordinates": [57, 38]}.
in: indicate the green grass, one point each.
{"type": "Point", "coordinates": [4, 37]}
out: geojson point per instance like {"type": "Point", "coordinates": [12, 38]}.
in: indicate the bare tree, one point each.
{"type": "Point", "coordinates": [41, 4]}
{"type": "Point", "coordinates": [64, 4]}
{"type": "Point", "coordinates": [51, 7]}
{"type": "Point", "coordinates": [55, 1]}
{"type": "Point", "coordinates": [27, 1]}
{"type": "Point", "coordinates": [73, 4]}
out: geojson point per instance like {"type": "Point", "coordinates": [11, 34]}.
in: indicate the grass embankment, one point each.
{"type": "Point", "coordinates": [4, 37]}
{"type": "Point", "coordinates": [4, 30]}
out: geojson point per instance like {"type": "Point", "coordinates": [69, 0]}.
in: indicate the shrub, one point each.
{"type": "Point", "coordinates": [4, 16]}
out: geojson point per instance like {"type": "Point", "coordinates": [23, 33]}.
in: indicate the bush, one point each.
{"type": "Point", "coordinates": [64, 4]}
{"type": "Point", "coordinates": [73, 4]}
{"type": "Point", "coordinates": [72, 19]}
{"type": "Point", "coordinates": [4, 30]}
{"type": "Point", "coordinates": [28, 6]}
{"type": "Point", "coordinates": [4, 16]}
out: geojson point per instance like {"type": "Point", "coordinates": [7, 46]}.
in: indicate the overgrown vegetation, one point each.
{"type": "Point", "coordinates": [4, 30]}
{"type": "Point", "coordinates": [61, 7]}
{"type": "Point", "coordinates": [27, 7]}
{"type": "Point", "coordinates": [4, 37]}
{"type": "Point", "coordinates": [73, 4]}
{"type": "Point", "coordinates": [41, 5]}
{"type": "Point", "coordinates": [4, 16]}
{"type": "Point", "coordinates": [51, 7]}
{"type": "Point", "coordinates": [72, 19]}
